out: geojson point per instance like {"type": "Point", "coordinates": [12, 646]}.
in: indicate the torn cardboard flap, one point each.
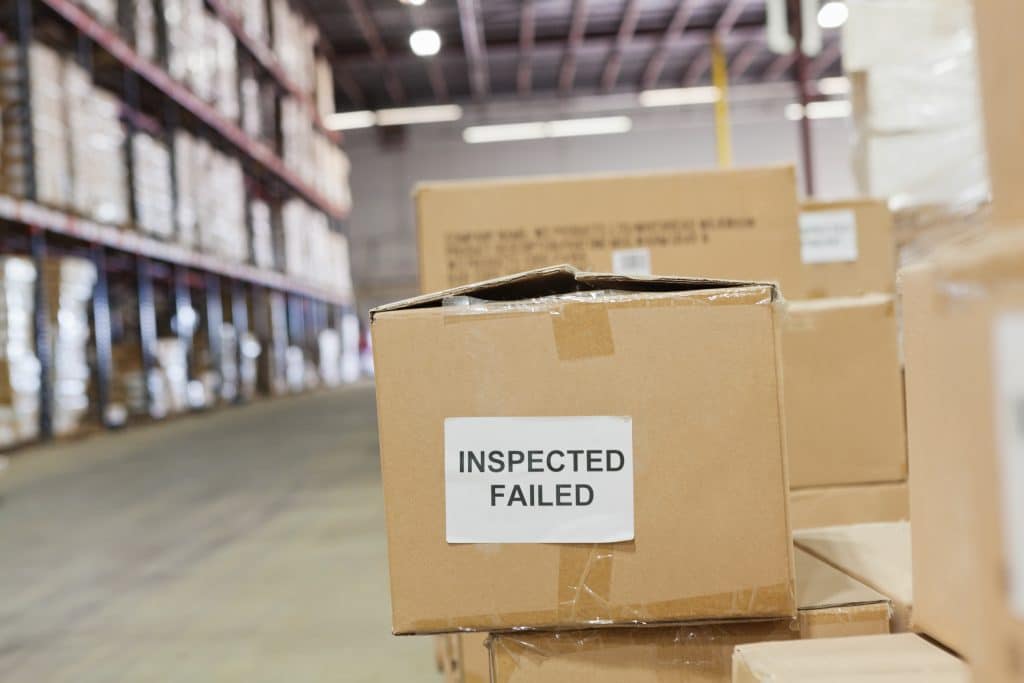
{"type": "Point", "coordinates": [542, 283]}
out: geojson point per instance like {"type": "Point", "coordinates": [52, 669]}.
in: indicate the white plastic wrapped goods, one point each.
{"type": "Point", "coordinates": [154, 206]}
{"type": "Point", "coordinates": [49, 131]}
{"type": "Point", "coordinates": [188, 184]}
{"type": "Point", "coordinates": [329, 353]}
{"type": "Point", "coordinates": [70, 283]}
{"type": "Point", "coordinates": [145, 29]}
{"type": "Point", "coordinates": [104, 10]}
{"type": "Point", "coordinates": [916, 104]}
{"type": "Point", "coordinates": [19, 366]}
{"type": "Point", "coordinates": [173, 372]}
{"type": "Point", "coordinates": [98, 172]}
{"type": "Point", "coordinates": [262, 234]}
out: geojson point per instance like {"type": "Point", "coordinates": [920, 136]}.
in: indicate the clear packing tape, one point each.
{"type": "Point", "coordinates": [701, 652]}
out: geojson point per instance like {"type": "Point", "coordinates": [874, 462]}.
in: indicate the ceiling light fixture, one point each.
{"type": "Point", "coordinates": [414, 3]}
{"type": "Point", "coordinates": [405, 116]}
{"type": "Point", "coordinates": [537, 130]}
{"type": "Point", "coordinates": [350, 120]}
{"type": "Point", "coordinates": [674, 97]}
{"type": "Point", "coordinates": [833, 14]}
{"type": "Point", "coordinates": [425, 42]}
{"type": "Point", "coordinates": [835, 85]}
{"type": "Point", "coordinates": [827, 109]}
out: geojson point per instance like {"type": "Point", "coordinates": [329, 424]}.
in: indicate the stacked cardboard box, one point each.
{"type": "Point", "coordinates": [294, 42]}
{"type": "Point", "coordinates": [831, 604]}
{"type": "Point", "coordinates": [835, 262]}
{"type": "Point", "coordinates": [151, 176]}
{"type": "Point", "coordinates": [962, 337]}
{"type": "Point", "coordinates": [262, 234]}
{"type": "Point", "coordinates": [905, 658]}
{"type": "Point", "coordinates": [570, 525]}
{"type": "Point", "coordinates": [69, 283]}
{"type": "Point", "coordinates": [48, 126]}
{"type": "Point", "coordinates": [19, 366]}
{"type": "Point", "coordinates": [144, 17]}
{"type": "Point", "coordinates": [98, 172]}
{"type": "Point", "coordinates": [312, 250]}
{"type": "Point", "coordinates": [104, 10]}
{"type": "Point", "coordinates": [202, 54]}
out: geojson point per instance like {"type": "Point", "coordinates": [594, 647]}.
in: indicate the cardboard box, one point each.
{"type": "Point", "coordinates": [833, 505]}
{"type": "Point", "coordinates": [831, 605]}
{"type": "Point", "coordinates": [1000, 54]}
{"type": "Point", "coordinates": [963, 337]}
{"type": "Point", "coordinates": [847, 248]}
{"type": "Point", "coordinates": [722, 223]}
{"type": "Point", "coordinates": [877, 555]}
{"type": "Point", "coordinates": [843, 392]}
{"type": "Point", "coordinates": [897, 658]}
{"type": "Point", "coordinates": [473, 662]}
{"type": "Point", "coordinates": [679, 375]}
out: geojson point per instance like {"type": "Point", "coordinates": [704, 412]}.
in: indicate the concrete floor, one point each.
{"type": "Point", "coordinates": [244, 545]}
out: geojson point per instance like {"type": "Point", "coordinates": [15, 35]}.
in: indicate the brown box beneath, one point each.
{"type": "Point", "coordinates": [831, 605]}
{"type": "Point", "coordinates": [897, 658]}
{"type": "Point", "coordinates": [843, 392]}
{"type": "Point", "coordinates": [695, 366]}
{"type": "Point", "coordinates": [833, 505]}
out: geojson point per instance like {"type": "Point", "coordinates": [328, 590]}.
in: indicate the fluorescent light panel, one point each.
{"type": "Point", "coordinates": [827, 109]}
{"type": "Point", "coordinates": [350, 120]}
{"type": "Point", "coordinates": [563, 128]}
{"type": "Point", "coordinates": [405, 116]}
{"type": "Point", "coordinates": [836, 85]}
{"type": "Point", "coordinates": [674, 97]}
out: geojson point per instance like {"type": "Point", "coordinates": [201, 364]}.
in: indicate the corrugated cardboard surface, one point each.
{"type": "Point", "coordinates": [961, 567]}
{"type": "Point", "coordinates": [875, 267]}
{"type": "Point", "coordinates": [1000, 54]}
{"type": "Point", "coordinates": [833, 505]}
{"type": "Point", "coordinates": [696, 371]}
{"type": "Point", "coordinates": [725, 223]}
{"type": "Point", "coordinates": [898, 658]}
{"type": "Point", "coordinates": [877, 555]}
{"type": "Point", "coordinates": [831, 604]}
{"type": "Point", "coordinates": [843, 392]}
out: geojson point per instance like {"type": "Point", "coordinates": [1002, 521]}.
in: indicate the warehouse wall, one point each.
{"type": "Point", "coordinates": [382, 227]}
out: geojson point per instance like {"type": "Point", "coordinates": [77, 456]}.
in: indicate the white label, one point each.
{"type": "Point", "coordinates": [1008, 369]}
{"type": "Point", "coordinates": [631, 261]}
{"type": "Point", "coordinates": [538, 479]}
{"type": "Point", "coordinates": [828, 236]}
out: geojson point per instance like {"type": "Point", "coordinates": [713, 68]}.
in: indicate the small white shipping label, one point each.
{"type": "Point", "coordinates": [538, 479]}
{"type": "Point", "coordinates": [1008, 362]}
{"type": "Point", "coordinates": [828, 236]}
{"type": "Point", "coordinates": [631, 261]}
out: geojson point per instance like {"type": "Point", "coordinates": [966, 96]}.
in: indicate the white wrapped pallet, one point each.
{"type": "Point", "coordinates": [154, 206]}
{"type": "Point", "coordinates": [19, 366]}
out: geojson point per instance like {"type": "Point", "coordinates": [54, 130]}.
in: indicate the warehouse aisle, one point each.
{"type": "Point", "coordinates": [246, 545]}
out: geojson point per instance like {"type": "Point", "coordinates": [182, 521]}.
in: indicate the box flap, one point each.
{"type": "Point", "coordinates": [565, 279]}
{"type": "Point", "coordinates": [821, 586]}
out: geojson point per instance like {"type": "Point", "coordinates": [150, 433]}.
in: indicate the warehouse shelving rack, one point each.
{"type": "Point", "coordinates": [280, 310]}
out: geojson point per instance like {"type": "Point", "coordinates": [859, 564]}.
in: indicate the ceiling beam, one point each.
{"type": "Point", "coordinates": [527, 28]}
{"type": "Point", "coordinates": [694, 73]}
{"type": "Point", "coordinates": [828, 56]}
{"type": "Point", "coordinates": [744, 59]}
{"type": "Point", "coordinates": [437, 83]}
{"type": "Point", "coordinates": [350, 87]}
{"type": "Point", "coordinates": [378, 50]}
{"type": "Point", "coordinates": [674, 31]}
{"type": "Point", "coordinates": [577, 28]}
{"type": "Point", "coordinates": [474, 45]}
{"type": "Point", "coordinates": [627, 27]}
{"type": "Point", "coordinates": [552, 49]}
{"type": "Point", "coordinates": [779, 66]}
{"type": "Point", "coordinates": [729, 16]}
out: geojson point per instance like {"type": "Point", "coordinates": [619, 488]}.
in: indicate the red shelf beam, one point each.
{"type": "Point", "coordinates": [16, 210]}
